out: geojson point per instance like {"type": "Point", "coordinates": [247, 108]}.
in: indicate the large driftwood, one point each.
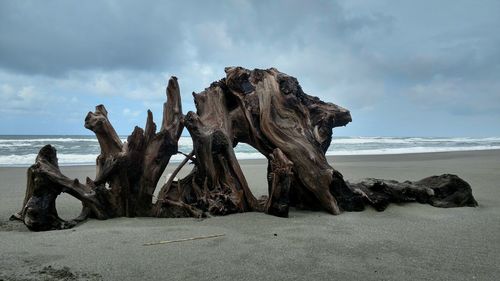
{"type": "Point", "coordinates": [266, 109]}
{"type": "Point", "coordinates": [278, 114]}
{"type": "Point", "coordinates": [127, 173]}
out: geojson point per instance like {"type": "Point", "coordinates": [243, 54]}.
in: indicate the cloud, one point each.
{"type": "Point", "coordinates": [27, 99]}
{"type": "Point", "coordinates": [459, 97]}
{"type": "Point", "coordinates": [56, 37]}
{"type": "Point", "coordinates": [375, 56]}
{"type": "Point", "coordinates": [127, 112]}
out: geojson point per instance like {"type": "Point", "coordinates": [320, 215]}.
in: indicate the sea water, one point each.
{"type": "Point", "coordinates": [83, 150]}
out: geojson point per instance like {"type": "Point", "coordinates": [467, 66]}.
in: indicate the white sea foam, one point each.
{"type": "Point", "coordinates": [185, 141]}
{"type": "Point", "coordinates": [8, 145]}
{"type": "Point", "coordinates": [363, 140]}
{"type": "Point", "coordinates": [46, 140]}
{"type": "Point", "coordinates": [64, 159]}
{"type": "Point", "coordinates": [78, 150]}
{"type": "Point", "coordinates": [410, 140]}
{"type": "Point", "coordinates": [462, 139]}
{"type": "Point", "coordinates": [408, 150]}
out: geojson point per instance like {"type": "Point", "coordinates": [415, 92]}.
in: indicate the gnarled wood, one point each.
{"type": "Point", "coordinates": [279, 178]}
{"type": "Point", "coordinates": [443, 191]}
{"type": "Point", "coordinates": [282, 116]}
{"type": "Point", "coordinates": [45, 183]}
{"type": "Point", "coordinates": [217, 184]}
{"type": "Point", "coordinates": [126, 173]}
{"type": "Point", "coordinates": [266, 109]}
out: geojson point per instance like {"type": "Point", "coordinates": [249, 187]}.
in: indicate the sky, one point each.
{"type": "Point", "coordinates": [403, 68]}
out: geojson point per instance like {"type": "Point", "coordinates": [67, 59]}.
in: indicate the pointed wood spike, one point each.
{"type": "Point", "coordinates": [172, 110]}
{"type": "Point", "coordinates": [150, 129]}
{"type": "Point", "coordinates": [101, 109]}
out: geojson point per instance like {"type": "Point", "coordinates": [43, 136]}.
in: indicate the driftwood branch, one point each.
{"type": "Point", "coordinates": [443, 191]}
{"type": "Point", "coordinates": [183, 240]}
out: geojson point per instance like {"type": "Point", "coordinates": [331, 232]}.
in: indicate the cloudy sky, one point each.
{"type": "Point", "coordinates": [403, 68]}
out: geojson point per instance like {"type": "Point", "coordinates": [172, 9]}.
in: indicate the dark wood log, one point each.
{"type": "Point", "coordinates": [266, 109]}
{"type": "Point", "coordinates": [443, 191]}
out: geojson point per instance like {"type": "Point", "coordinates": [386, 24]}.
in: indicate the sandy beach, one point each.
{"type": "Point", "coordinates": [405, 242]}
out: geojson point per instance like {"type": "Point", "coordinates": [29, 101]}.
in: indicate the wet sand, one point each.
{"type": "Point", "coordinates": [405, 242]}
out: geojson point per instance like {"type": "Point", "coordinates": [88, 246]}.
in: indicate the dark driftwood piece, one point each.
{"type": "Point", "coordinates": [127, 174]}
{"type": "Point", "coordinates": [279, 178]}
{"type": "Point", "coordinates": [266, 109]}
{"type": "Point", "coordinates": [445, 191]}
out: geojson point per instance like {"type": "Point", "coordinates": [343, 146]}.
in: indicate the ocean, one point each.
{"type": "Point", "coordinates": [21, 151]}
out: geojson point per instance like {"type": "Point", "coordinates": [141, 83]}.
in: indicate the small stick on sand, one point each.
{"type": "Point", "coordinates": [183, 240]}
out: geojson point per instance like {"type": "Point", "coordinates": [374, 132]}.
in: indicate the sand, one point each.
{"type": "Point", "coordinates": [406, 242]}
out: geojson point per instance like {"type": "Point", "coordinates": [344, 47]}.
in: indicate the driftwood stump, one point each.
{"type": "Point", "coordinates": [127, 173]}
{"type": "Point", "coordinates": [266, 109]}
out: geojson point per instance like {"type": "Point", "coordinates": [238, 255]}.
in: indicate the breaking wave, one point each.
{"type": "Point", "coordinates": [83, 150]}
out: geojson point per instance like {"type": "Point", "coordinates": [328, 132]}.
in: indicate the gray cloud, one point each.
{"type": "Point", "coordinates": [55, 37]}
{"type": "Point", "coordinates": [441, 57]}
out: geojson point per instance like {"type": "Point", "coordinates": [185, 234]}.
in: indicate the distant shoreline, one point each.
{"type": "Point", "coordinates": [354, 157]}
{"type": "Point", "coordinates": [21, 151]}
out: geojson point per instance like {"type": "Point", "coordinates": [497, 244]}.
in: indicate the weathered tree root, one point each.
{"type": "Point", "coordinates": [266, 109]}
{"type": "Point", "coordinates": [45, 183]}
{"type": "Point", "coordinates": [444, 191]}
{"type": "Point", "coordinates": [127, 173]}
